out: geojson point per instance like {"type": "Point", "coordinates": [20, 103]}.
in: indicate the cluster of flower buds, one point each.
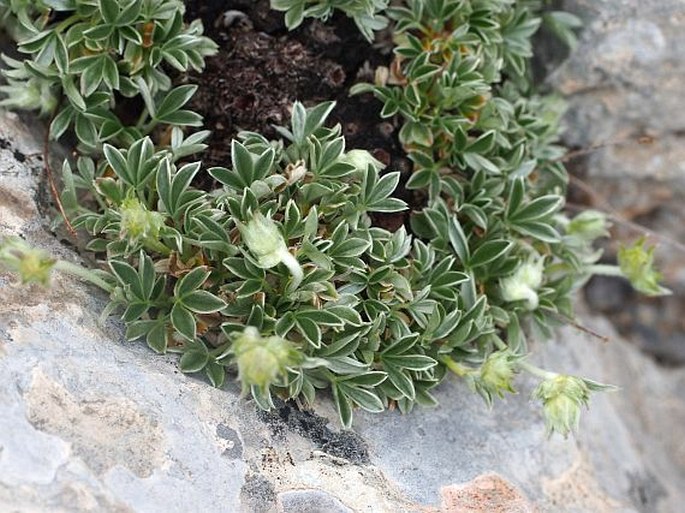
{"type": "Point", "coordinates": [261, 361]}
{"type": "Point", "coordinates": [637, 264]}
{"type": "Point", "coordinates": [138, 224]}
{"type": "Point", "coordinates": [25, 92]}
{"type": "Point", "coordinates": [496, 375]}
{"type": "Point", "coordinates": [562, 397]}
{"type": "Point", "coordinates": [265, 242]}
{"type": "Point", "coordinates": [524, 283]}
{"type": "Point", "coordinates": [31, 264]}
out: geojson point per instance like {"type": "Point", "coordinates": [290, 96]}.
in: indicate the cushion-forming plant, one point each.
{"type": "Point", "coordinates": [279, 273]}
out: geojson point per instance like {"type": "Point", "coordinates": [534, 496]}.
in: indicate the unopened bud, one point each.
{"type": "Point", "coordinates": [523, 284]}
{"type": "Point", "coordinates": [262, 361]}
{"type": "Point", "coordinates": [29, 95]}
{"type": "Point", "coordinates": [361, 159]}
{"type": "Point", "coordinates": [589, 225]}
{"type": "Point", "coordinates": [562, 397]}
{"type": "Point", "coordinates": [31, 264]}
{"type": "Point", "coordinates": [265, 242]}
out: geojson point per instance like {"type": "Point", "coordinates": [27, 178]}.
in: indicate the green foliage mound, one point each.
{"type": "Point", "coordinates": [279, 273]}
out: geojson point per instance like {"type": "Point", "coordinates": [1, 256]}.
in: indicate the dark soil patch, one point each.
{"type": "Point", "coordinates": [342, 444]}
{"type": "Point", "coordinates": [261, 69]}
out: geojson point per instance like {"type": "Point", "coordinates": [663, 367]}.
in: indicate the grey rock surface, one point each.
{"type": "Point", "coordinates": [624, 81]}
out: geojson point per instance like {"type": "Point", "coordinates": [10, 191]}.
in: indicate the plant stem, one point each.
{"type": "Point", "coordinates": [221, 351]}
{"type": "Point", "coordinates": [155, 245]}
{"type": "Point", "coordinates": [294, 267]}
{"type": "Point", "coordinates": [605, 270]}
{"type": "Point", "coordinates": [144, 115]}
{"type": "Point", "coordinates": [536, 371]}
{"type": "Point", "coordinates": [499, 343]}
{"type": "Point", "coordinates": [456, 367]}
{"type": "Point", "coordinates": [84, 274]}
{"type": "Point", "coordinates": [61, 27]}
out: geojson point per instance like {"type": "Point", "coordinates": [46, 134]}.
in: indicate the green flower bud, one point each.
{"type": "Point", "coordinates": [562, 398]}
{"type": "Point", "coordinates": [496, 375]}
{"type": "Point", "coordinates": [31, 264]}
{"type": "Point", "coordinates": [523, 284]}
{"type": "Point", "coordinates": [138, 223]}
{"type": "Point", "coordinates": [637, 264]}
{"type": "Point", "coordinates": [589, 225]}
{"type": "Point", "coordinates": [29, 95]}
{"type": "Point", "coordinates": [265, 242]}
{"type": "Point", "coordinates": [361, 159]}
{"type": "Point", "coordinates": [262, 361]}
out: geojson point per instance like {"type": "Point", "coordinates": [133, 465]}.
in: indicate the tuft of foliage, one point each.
{"type": "Point", "coordinates": [87, 59]}
{"type": "Point", "coordinates": [365, 13]}
{"type": "Point", "coordinates": [286, 248]}
{"type": "Point", "coordinates": [279, 272]}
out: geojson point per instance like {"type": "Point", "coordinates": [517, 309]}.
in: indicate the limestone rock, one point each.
{"type": "Point", "coordinates": [89, 423]}
{"type": "Point", "coordinates": [625, 81]}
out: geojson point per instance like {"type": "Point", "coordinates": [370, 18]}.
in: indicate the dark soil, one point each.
{"type": "Point", "coordinates": [261, 69]}
{"type": "Point", "coordinates": [287, 416]}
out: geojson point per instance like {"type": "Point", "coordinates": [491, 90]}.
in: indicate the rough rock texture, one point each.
{"type": "Point", "coordinates": [624, 82]}
{"type": "Point", "coordinates": [89, 423]}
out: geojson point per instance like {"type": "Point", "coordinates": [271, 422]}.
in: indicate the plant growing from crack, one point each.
{"type": "Point", "coordinates": [279, 272]}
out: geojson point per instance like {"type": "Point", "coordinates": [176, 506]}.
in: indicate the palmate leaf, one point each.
{"type": "Point", "coordinates": [401, 380]}
{"type": "Point", "coordinates": [194, 358]}
{"type": "Point", "coordinates": [141, 282]}
{"type": "Point", "coordinates": [358, 390]}
{"type": "Point", "coordinates": [248, 167]}
{"type": "Point", "coordinates": [137, 166]}
{"type": "Point", "coordinates": [191, 281]}
{"type": "Point", "coordinates": [362, 397]}
{"type": "Point", "coordinates": [95, 47]}
{"type": "Point", "coordinates": [173, 187]}
{"type": "Point", "coordinates": [305, 122]}
{"type": "Point", "coordinates": [366, 13]}
{"type": "Point", "coordinates": [375, 196]}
